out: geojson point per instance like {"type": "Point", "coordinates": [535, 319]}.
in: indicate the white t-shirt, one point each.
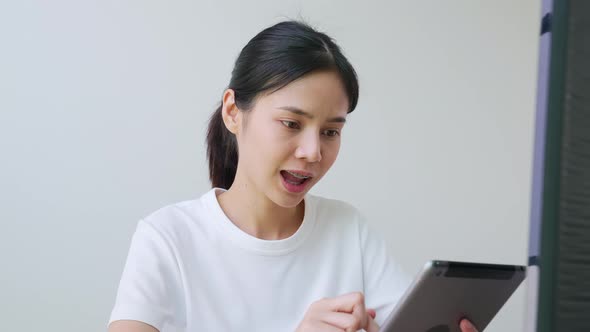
{"type": "Point", "coordinates": [189, 268]}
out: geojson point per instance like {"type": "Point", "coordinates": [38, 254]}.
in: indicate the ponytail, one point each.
{"type": "Point", "coordinates": [222, 152]}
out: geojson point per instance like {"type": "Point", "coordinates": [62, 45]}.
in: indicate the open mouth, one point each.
{"type": "Point", "coordinates": [294, 181]}
{"type": "Point", "coordinates": [294, 178]}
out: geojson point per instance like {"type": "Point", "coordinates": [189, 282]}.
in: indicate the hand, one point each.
{"type": "Point", "coordinates": [344, 313]}
{"type": "Point", "coordinates": [467, 326]}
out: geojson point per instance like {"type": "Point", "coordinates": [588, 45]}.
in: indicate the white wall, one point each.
{"type": "Point", "coordinates": [104, 106]}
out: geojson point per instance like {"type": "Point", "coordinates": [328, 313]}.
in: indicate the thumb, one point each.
{"type": "Point", "coordinates": [467, 326]}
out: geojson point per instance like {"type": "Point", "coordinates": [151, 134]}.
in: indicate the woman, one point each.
{"type": "Point", "coordinates": [257, 252]}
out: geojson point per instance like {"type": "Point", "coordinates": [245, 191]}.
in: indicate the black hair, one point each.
{"type": "Point", "coordinates": [275, 57]}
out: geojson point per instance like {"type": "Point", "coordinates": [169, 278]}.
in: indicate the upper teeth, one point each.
{"type": "Point", "coordinates": [298, 175]}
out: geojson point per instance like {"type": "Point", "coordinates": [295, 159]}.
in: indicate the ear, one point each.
{"type": "Point", "coordinates": [230, 113]}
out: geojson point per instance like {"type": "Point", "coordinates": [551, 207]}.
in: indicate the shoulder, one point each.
{"type": "Point", "coordinates": [179, 219]}
{"type": "Point", "coordinates": [341, 216]}
{"type": "Point", "coordinates": [333, 207]}
{"type": "Point", "coordinates": [337, 213]}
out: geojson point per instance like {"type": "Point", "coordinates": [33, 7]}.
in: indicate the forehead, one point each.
{"type": "Point", "coordinates": [321, 93]}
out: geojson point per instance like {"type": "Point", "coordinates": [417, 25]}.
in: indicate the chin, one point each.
{"type": "Point", "coordinates": [288, 200]}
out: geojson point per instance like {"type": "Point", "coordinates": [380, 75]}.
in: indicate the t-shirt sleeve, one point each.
{"type": "Point", "coordinates": [150, 289]}
{"type": "Point", "coordinates": [384, 279]}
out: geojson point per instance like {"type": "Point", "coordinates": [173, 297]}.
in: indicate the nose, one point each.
{"type": "Point", "coordinates": [309, 148]}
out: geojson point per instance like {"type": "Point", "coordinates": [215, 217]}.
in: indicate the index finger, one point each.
{"type": "Point", "coordinates": [347, 302]}
{"type": "Point", "coordinates": [372, 326]}
{"type": "Point", "coordinates": [353, 303]}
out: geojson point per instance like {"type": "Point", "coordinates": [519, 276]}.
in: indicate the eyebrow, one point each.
{"type": "Point", "coordinates": [301, 112]}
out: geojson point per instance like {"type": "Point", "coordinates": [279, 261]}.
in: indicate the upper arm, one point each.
{"type": "Point", "coordinates": [151, 290]}
{"type": "Point", "coordinates": [385, 281]}
{"type": "Point", "coordinates": [130, 326]}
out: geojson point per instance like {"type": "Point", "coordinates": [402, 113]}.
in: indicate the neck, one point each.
{"type": "Point", "coordinates": [255, 214]}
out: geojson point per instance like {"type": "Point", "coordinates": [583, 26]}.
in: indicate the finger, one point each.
{"type": "Point", "coordinates": [372, 313]}
{"type": "Point", "coordinates": [361, 314]}
{"type": "Point", "coordinates": [324, 327]}
{"type": "Point", "coordinates": [467, 326]}
{"type": "Point", "coordinates": [353, 303]}
{"type": "Point", "coordinates": [342, 320]}
{"type": "Point", "coordinates": [372, 326]}
{"type": "Point", "coordinates": [345, 303]}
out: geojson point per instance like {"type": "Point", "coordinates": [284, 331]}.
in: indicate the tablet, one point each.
{"type": "Point", "coordinates": [445, 292]}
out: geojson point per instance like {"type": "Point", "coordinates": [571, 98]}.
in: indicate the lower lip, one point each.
{"type": "Point", "coordinates": [294, 188]}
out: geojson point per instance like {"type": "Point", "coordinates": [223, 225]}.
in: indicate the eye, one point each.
{"type": "Point", "coordinates": [290, 124]}
{"type": "Point", "coordinates": [331, 132]}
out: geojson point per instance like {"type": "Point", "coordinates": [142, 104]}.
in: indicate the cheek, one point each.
{"type": "Point", "coordinates": [267, 148]}
{"type": "Point", "coordinates": [330, 153]}
{"type": "Point", "coordinates": [256, 138]}
{"type": "Point", "coordinates": [270, 134]}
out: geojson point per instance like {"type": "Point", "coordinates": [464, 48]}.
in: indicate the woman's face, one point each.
{"type": "Point", "coordinates": [291, 137]}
